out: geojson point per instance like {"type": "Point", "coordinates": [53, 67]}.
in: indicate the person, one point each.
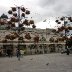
{"type": "Point", "coordinates": [22, 53]}
{"type": "Point", "coordinates": [0, 52]}
{"type": "Point", "coordinates": [67, 51]}
{"type": "Point", "coordinates": [8, 52]}
{"type": "Point", "coordinates": [18, 54]}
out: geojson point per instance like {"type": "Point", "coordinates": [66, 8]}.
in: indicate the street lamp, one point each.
{"type": "Point", "coordinates": [64, 27]}
{"type": "Point", "coordinates": [19, 16]}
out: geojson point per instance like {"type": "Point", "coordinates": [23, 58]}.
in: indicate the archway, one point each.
{"type": "Point", "coordinates": [52, 47]}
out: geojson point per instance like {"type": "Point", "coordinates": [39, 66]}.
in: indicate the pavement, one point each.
{"type": "Point", "coordinates": [54, 62]}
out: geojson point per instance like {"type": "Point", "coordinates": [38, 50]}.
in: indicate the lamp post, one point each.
{"type": "Point", "coordinates": [65, 23]}
{"type": "Point", "coordinates": [19, 16]}
{"type": "Point", "coordinates": [65, 28]}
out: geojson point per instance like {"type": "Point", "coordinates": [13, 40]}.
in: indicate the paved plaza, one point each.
{"type": "Point", "coordinates": [55, 62]}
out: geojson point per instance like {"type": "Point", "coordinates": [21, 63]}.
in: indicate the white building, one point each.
{"type": "Point", "coordinates": [29, 46]}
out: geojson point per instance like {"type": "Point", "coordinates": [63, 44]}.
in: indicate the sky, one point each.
{"type": "Point", "coordinates": [40, 9]}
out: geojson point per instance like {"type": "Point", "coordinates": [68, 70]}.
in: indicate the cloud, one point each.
{"type": "Point", "coordinates": [41, 9]}
{"type": "Point", "coordinates": [54, 7]}
{"type": "Point", "coordinates": [3, 10]}
{"type": "Point", "coordinates": [44, 3]}
{"type": "Point", "coordinates": [68, 12]}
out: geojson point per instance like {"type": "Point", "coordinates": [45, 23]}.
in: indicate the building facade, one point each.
{"type": "Point", "coordinates": [47, 42]}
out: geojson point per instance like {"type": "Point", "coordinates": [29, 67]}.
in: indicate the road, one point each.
{"type": "Point", "coordinates": [55, 62]}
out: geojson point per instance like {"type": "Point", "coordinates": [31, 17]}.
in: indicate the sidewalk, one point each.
{"type": "Point", "coordinates": [37, 63]}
